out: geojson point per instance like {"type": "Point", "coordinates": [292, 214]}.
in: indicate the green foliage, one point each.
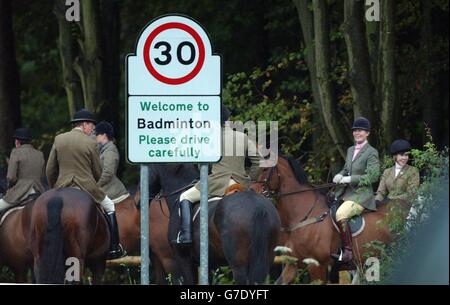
{"type": "Point", "coordinates": [271, 95]}
{"type": "Point", "coordinates": [222, 276]}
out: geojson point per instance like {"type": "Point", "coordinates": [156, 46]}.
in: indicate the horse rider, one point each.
{"type": "Point", "coordinates": [401, 181]}
{"type": "Point", "coordinates": [74, 161]}
{"type": "Point", "coordinates": [25, 170]}
{"type": "Point", "coordinates": [230, 170]}
{"type": "Point", "coordinates": [361, 169]}
{"type": "Point", "coordinates": [109, 159]}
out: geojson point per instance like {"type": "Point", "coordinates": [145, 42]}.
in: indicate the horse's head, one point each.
{"type": "Point", "coordinates": [271, 178]}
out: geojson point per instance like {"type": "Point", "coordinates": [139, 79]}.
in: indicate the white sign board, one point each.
{"type": "Point", "coordinates": [173, 94]}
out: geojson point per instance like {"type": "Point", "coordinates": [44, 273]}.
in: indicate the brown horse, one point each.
{"type": "Point", "coordinates": [161, 254]}
{"type": "Point", "coordinates": [243, 228]}
{"type": "Point", "coordinates": [129, 221]}
{"type": "Point", "coordinates": [65, 223]}
{"type": "Point", "coordinates": [306, 224]}
{"type": "Point", "coordinates": [14, 248]}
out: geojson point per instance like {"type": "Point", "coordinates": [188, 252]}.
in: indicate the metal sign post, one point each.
{"type": "Point", "coordinates": [204, 224]}
{"type": "Point", "coordinates": [145, 258]}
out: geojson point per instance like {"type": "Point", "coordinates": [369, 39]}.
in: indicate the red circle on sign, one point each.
{"type": "Point", "coordinates": [201, 55]}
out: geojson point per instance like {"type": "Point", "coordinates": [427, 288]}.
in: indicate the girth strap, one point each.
{"type": "Point", "coordinates": [304, 223]}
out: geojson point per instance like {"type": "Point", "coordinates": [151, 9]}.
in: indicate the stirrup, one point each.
{"type": "Point", "coordinates": [185, 241]}
{"type": "Point", "coordinates": [116, 254]}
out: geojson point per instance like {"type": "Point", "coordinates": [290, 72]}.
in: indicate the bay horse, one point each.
{"type": "Point", "coordinates": [161, 254]}
{"type": "Point", "coordinates": [306, 225]}
{"type": "Point", "coordinates": [14, 247]}
{"type": "Point", "coordinates": [243, 227]}
{"type": "Point", "coordinates": [66, 222]}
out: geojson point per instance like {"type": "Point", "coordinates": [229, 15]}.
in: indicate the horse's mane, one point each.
{"type": "Point", "coordinates": [299, 173]}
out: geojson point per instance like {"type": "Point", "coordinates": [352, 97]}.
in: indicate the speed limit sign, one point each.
{"type": "Point", "coordinates": [173, 94]}
{"type": "Point", "coordinates": [174, 57]}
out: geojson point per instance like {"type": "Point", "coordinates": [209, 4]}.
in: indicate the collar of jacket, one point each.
{"type": "Point", "coordinates": [25, 145]}
{"type": "Point", "coordinates": [363, 149]}
{"type": "Point", "coordinates": [402, 171]}
{"type": "Point", "coordinates": [103, 147]}
{"type": "Point", "coordinates": [78, 129]}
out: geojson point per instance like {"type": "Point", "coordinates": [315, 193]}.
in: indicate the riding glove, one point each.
{"type": "Point", "coordinates": [345, 180]}
{"type": "Point", "coordinates": [337, 178]}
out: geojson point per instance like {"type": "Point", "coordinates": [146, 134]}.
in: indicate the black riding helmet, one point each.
{"type": "Point", "coordinates": [22, 134]}
{"type": "Point", "coordinates": [83, 116]}
{"type": "Point", "coordinates": [105, 128]}
{"type": "Point", "coordinates": [361, 123]}
{"type": "Point", "coordinates": [400, 146]}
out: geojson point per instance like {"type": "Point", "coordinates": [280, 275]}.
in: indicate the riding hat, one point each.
{"type": "Point", "coordinates": [104, 128]}
{"type": "Point", "coordinates": [83, 116]}
{"type": "Point", "coordinates": [400, 146]}
{"type": "Point", "coordinates": [22, 134]}
{"type": "Point", "coordinates": [361, 123]}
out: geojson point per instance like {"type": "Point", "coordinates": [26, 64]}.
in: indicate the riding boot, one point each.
{"type": "Point", "coordinates": [346, 237]}
{"type": "Point", "coordinates": [185, 233]}
{"type": "Point", "coordinates": [115, 248]}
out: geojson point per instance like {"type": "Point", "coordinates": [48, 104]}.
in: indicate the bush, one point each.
{"type": "Point", "coordinates": [433, 166]}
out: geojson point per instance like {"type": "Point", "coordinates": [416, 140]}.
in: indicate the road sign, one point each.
{"type": "Point", "coordinates": [173, 89]}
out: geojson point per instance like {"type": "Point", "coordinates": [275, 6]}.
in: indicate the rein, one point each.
{"type": "Point", "coordinates": [305, 220]}
{"type": "Point", "coordinates": [161, 195]}
{"type": "Point", "coordinates": [314, 187]}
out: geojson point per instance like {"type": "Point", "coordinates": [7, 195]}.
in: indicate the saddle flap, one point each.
{"type": "Point", "coordinates": [237, 187]}
{"type": "Point", "coordinates": [357, 223]}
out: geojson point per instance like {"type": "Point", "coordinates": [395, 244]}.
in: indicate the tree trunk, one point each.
{"type": "Point", "coordinates": [388, 74]}
{"type": "Point", "coordinates": [322, 54]}
{"type": "Point", "coordinates": [373, 37]}
{"type": "Point", "coordinates": [110, 12]}
{"type": "Point", "coordinates": [306, 22]}
{"type": "Point", "coordinates": [9, 81]}
{"type": "Point", "coordinates": [110, 25]}
{"type": "Point", "coordinates": [89, 63]}
{"type": "Point", "coordinates": [66, 51]}
{"type": "Point", "coordinates": [433, 114]}
{"type": "Point", "coordinates": [359, 75]}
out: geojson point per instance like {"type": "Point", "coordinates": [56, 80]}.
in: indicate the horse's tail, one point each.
{"type": "Point", "coordinates": [259, 263]}
{"type": "Point", "coordinates": [51, 263]}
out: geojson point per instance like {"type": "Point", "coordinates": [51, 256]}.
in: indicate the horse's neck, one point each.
{"type": "Point", "coordinates": [171, 182]}
{"type": "Point", "coordinates": [296, 206]}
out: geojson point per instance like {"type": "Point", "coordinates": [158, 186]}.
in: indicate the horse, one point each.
{"type": "Point", "coordinates": [67, 223]}
{"type": "Point", "coordinates": [129, 222]}
{"type": "Point", "coordinates": [243, 227]}
{"type": "Point", "coordinates": [161, 254]}
{"type": "Point", "coordinates": [306, 225]}
{"type": "Point", "coordinates": [14, 247]}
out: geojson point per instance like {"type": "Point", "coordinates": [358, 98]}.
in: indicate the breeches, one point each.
{"type": "Point", "coordinates": [4, 205]}
{"type": "Point", "coordinates": [193, 194]}
{"type": "Point", "coordinates": [348, 209]}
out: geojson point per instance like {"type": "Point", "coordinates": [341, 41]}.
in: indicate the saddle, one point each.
{"type": "Point", "coordinates": [357, 223]}
{"type": "Point", "coordinates": [30, 198]}
{"type": "Point", "coordinates": [237, 187]}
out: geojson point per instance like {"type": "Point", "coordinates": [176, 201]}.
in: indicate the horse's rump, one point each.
{"type": "Point", "coordinates": [66, 223]}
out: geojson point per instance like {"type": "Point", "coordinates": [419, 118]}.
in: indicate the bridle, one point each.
{"type": "Point", "coordinates": [266, 191]}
